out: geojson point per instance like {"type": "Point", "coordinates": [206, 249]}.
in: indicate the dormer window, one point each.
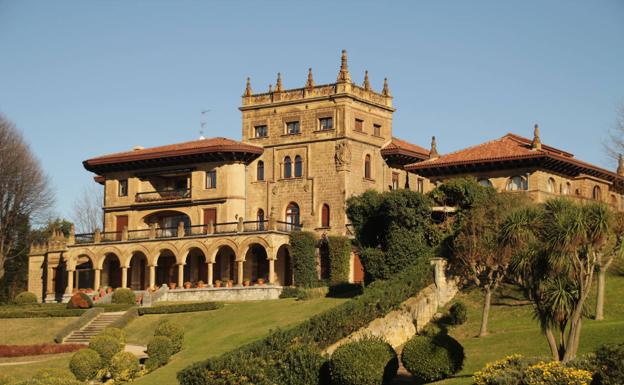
{"type": "Point", "coordinates": [261, 131]}
{"type": "Point", "coordinates": [292, 128]}
{"type": "Point", "coordinates": [123, 188]}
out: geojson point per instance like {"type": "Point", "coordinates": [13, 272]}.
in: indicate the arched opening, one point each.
{"type": "Point", "coordinates": [166, 268]}
{"type": "Point", "coordinates": [287, 167]}
{"type": "Point", "coordinates": [260, 219]}
{"type": "Point", "coordinates": [256, 263]}
{"type": "Point", "coordinates": [225, 266]}
{"type": "Point", "coordinates": [325, 216]}
{"type": "Point", "coordinates": [298, 167]}
{"type": "Point", "coordinates": [283, 267]}
{"type": "Point", "coordinates": [195, 269]}
{"type": "Point", "coordinates": [596, 193]}
{"type": "Point", "coordinates": [167, 223]}
{"type": "Point", "coordinates": [85, 275]}
{"type": "Point", "coordinates": [260, 171]}
{"type": "Point", "coordinates": [367, 167]}
{"type": "Point", "coordinates": [516, 183]}
{"type": "Point", "coordinates": [292, 216]}
{"type": "Point", "coordinates": [485, 182]}
{"type": "Point", "coordinates": [138, 272]}
{"type": "Point", "coordinates": [550, 186]}
{"type": "Point", "coordinates": [111, 271]}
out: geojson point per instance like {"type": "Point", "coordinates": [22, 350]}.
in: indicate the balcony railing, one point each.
{"type": "Point", "coordinates": [288, 226]}
{"type": "Point", "coordinates": [163, 195]}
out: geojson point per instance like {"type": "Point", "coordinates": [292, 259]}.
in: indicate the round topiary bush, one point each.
{"type": "Point", "coordinates": [432, 358]}
{"type": "Point", "coordinates": [124, 367]}
{"type": "Point", "coordinates": [301, 365]}
{"type": "Point", "coordinates": [125, 296]}
{"type": "Point", "coordinates": [159, 350]}
{"type": "Point", "coordinates": [173, 331]}
{"type": "Point", "coordinates": [106, 347]}
{"type": "Point", "coordinates": [117, 334]}
{"type": "Point", "coordinates": [25, 298]}
{"type": "Point", "coordinates": [80, 301]}
{"type": "Point", "coordinates": [458, 313]}
{"type": "Point", "coordinates": [85, 364]}
{"type": "Point", "coordinates": [369, 361]}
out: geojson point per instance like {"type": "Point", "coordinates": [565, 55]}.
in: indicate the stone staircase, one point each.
{"type": "Point", "coordinates": [93, 328]}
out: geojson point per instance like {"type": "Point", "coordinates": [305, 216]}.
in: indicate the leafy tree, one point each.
{"type": "Point", "coordinates": [604, 261]}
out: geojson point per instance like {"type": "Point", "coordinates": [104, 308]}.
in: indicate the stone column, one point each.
{"type": "Point", "coordinates": [272, 271]}
{"type": "Point", "coordinates": [181, 275]}
{"type": "Point", "coordinates": [210, 274]}
{"type": "Point", "coordinates": [70, 282]}
{"type": "Point", "coordinates": [124, 277]}
{"type": "Point", "coordinates": [97, 276]}
{"type": "Point", "coordinates": [152, 276]}
{"type": "Point", "coordinates": [239, 281]}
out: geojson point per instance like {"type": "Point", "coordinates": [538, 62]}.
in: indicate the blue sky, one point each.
{"type": "Point", "coordinates": [85, 78]}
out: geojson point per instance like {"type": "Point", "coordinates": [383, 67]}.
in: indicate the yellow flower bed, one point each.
{"type": "Point", "coordinates": [515, 369]}
{"type": "Point", "coordinates": [556, 373]}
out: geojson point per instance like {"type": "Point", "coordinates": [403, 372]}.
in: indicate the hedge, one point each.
{"type": "Point", "coordinates": [123, 296]}
{"type": "Point", "coordinates": [84, 319]}
{"type": "Point", "coordinates": [42, 313]}
{"type": "Point", "coordinates": [255, 360]}
{"type": "Point", "coordinates": [181, 308]}
{"type": "Point", "coordinates": [303, 254]}
{"type": "Point", "coordinates": [35, 350]}
{"type": "Point", "coordinates": [125, 319]}
{"type": "Point", "coordinates": [113, 307]}
{"type": "Point", "coordinates": [339, 259]}
{"type": "Point", "coordinates": [25, 298]}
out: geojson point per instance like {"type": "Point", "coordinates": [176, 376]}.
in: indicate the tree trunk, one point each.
{"type": "Point", "coordinates": [602, 276]}
{"type": "Point", "coordinates": [552, 344]}
{"type": "Point", "coordinates": [574, 336]}
{"type": "Point", "coordinates": [486, 313]}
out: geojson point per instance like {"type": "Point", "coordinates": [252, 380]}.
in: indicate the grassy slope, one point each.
{"type": "Point", "coordinates": [25, 331]}
{"type": "Point", "coordinates": [514, 331]}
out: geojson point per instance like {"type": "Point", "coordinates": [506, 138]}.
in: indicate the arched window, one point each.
{"type": "Point", "coordinates": [516, 183]}
{"type": "Point", "coordinates": [566, 189]}
{"type": "Point", "coordinates": [596, 193]}
{"type": "Point", "coordinates": [292, 216]}
{"type": "Point", "coordinates": [287, 167]}
{"type": "Point", "coordinates": [298, 167]}
{"type": "Point", "coordinates": [325, 216]}
{"type": "Point", "coordinates": [367, 167]}
{"type": "Point", "coordinates": [550, 186]}
{"type": "Point", "coordinates": [260, 170]}
{"type": "Point", "coordinates": [485, 182]}
{"type": "Point", "coordinates": [260, 219]}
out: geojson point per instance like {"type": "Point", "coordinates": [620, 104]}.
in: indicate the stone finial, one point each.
{"type": "Point", "coordinates": [310, 81]}
{"type": "Point", "coordinates": [366, 84]}
{"type": "Point", "coordinates": [343, 75]}
{"type": "Point", "coordinates": [620, 167]}
{"type": "Point", "coordinates": [433, 152]}
{"type": "Point", "coordinates": [270, 88]}
{"type": "Point", "coordinates": [536, 144]}
{"type": "Point", "coordinates": [248, 91]}
{"type": "Point", "coordinates": [386, 90]}
{"type": "Point", "coordinates": [278, 85]}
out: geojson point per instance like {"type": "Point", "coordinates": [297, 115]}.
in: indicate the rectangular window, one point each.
{"type": "Point", "coordinates": [211, 179]}
{"type": "Point", "coordinates": [326, 123]}
{"type": "Point", "coordinates": [395, 181]}
{"type": "Point", "coordinates": [376, 129]}
{"type": "Point", "coordinates": [421, 186]}
{"type": "Point", "coordinates": [359, 125]}
{"type": "Point", "coordinates": [123, 188]}
{"type": "Point", "coordinates": [292, 128]}
{"type": "Point", "coordinates": [261, 131]}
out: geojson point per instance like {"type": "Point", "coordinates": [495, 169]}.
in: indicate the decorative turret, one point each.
{"type": "Point", "coordinates": [310, 82]}
{"type": "Point", "coordinates": [270, 88]}
{"type": "Point", "coordinates": [433, 152]}
{"type": "Point", "coordinates": [343, 75]}
{"type": "Point", "coordinates": [620, 168]}
{"type": "Point", "coordinates": [386, 90]}
{"type": "Point", "coordinates": [248, 88]}
{"type": "Point", "coordinates": [278, 85]}
{"type": "Point", "coordinates": [366, 83]}
{"type": "Point", "coordinates": [536, 144]}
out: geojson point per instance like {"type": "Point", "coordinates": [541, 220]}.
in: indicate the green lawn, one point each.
{"type": "Point", "coordinates": [26, 331]}
{"type": "Point", "coordinates": [514, 331]}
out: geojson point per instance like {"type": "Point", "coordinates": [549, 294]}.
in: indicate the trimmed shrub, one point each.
{"type": "Point", "coordinates": [173, 331]}
{"type": "Point", "coordinates": [303, 253]}
{"type": "Point", "coordinates": [117, 334]}
{"type": "Point", "coordinates": [80, 301]}
{"type": "Point", "coordinates": [85, 364]}
{"type": "Point", "coordinates": [42, 313]}
{"type": "Point", "coordinates": [458, 313]}
{"type": "Point", "coordinates": [124, 367]}
{"type": "Point", "coordinates": [339, 258]}
{"type": "Point", "coordinates": [432, 358]}
{"type": "Point", "coordinates": [106, 347]}
{"type": "Point", "coordinates": [181, 308]}
{"type": "Point", "coordinates": [289, 292]}
{"type": "Point", "coordinates": [369, 361]}
{"type": "Point", "coordinates": [51, 377]}
{"type": "Point", "coordinates": [35, 350]}
{"type": "Point", "coordinates": [123, 296]}
{"type": "Point", "coordinates": [159, 350]}
{"type": "Point", "coordinates": [25, 298]}
{"type": "Point", "coordinates": [610, 364]}
{"type": "Point", "coordinates": [312, 293]}
{"type": "Point", "coordinates": [113, 307]}
{"type": "Point", "coordinates": [302, 365]}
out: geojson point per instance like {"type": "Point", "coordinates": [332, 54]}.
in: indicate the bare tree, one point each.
{"type": "Point", "coordinates": [614, 145]}
{"type": "Point", "coordinates": [87, 210]}
{"type": "Point", "coordinates": [24, 187]}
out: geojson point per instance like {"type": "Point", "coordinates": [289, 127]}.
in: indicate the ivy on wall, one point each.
{"type": "Point", "coordinates": [303, 249]}
{"type": "Point", "coordinates": [339, 258]}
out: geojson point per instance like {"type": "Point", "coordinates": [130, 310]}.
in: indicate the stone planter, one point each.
{"type": "Point", "coordinates": [229, 283]}
{"type": "Point", "coordinates": [246, 283]}
{"type": "Point", "coordinates": [187, 285]}
{"type": "Point", "coordinates": [172, 285]}
{"type": "Point", "coordinates": [217, 283]}
{"type": "Point", "coordinates": [260, 281]}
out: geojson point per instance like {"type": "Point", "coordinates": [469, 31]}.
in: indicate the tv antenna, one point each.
{"type": "Point", "coordinates": [202, 124]}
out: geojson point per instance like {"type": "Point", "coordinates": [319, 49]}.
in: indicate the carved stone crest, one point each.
{"type": "Point", "coordinates": [342, 156]}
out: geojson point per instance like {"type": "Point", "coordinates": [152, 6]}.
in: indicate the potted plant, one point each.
{"type": "Point", "coordinates": [260, 281]}
{"type": "Point", "coordinates": [172, 285]}
{"type": "Point", "coordinates": [187, 285]}
{"type": "Point", "coordinates": [217, 283]}
{"type": "Point", "coordinates": [246, 282]}
{"type": "Point", "coordinates": [200, 284]}
{"type": "Point", "coordinates": [229, 283]}
{"type": "Point", "coordinates": [109, 290]}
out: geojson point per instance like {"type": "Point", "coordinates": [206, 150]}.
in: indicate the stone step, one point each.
{"type": "Point", "coordinates": [93, 328]}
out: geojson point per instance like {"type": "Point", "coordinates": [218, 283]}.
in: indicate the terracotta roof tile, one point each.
{"type": "Point", "coordinates": [402, 147]}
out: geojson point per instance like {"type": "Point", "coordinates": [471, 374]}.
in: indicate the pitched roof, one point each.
{"type": "Point", "coordinates": [211, 149]}
{"type": "Point", "coordinates": [403, 152]}
{"type": "Point", "coordinates": [509, 151]}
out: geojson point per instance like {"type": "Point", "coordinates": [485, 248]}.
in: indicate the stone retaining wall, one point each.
{"type": "Point", "coordinates": [398, 326]}
{"type": "Point", "coordinates": [228, 294]}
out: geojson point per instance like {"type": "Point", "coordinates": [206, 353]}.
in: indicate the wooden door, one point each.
{"type": "Point", "coordinates": [121, 221]}
{"type": "Point", "coordinates": [210, 215]}
{"type": "Point", "coordinates": [358, 269]}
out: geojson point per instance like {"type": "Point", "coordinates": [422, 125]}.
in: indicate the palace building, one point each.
{"type": "Point", "coordinates": [219, 210]}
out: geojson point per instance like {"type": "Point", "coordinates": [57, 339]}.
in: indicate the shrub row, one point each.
{"type": "Point", "coordinates": [339, 258]}
{"type": "Point", "coordinates": [181, 308]}
{"type": "Point", "coordinates": [312, 293]}
{"type": "Point", "coordinates": [303, 255]}
{"type": "Point", "coordinates": [87, 315]}
{"type": "Point", "coordinates": [42, 313]}
{"type": "Point", "coordinates": [112, 307]}
{"type": "Point", "coordinates": [319, 332]}
{"type": "Point", "coordinates": [35, 350]}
